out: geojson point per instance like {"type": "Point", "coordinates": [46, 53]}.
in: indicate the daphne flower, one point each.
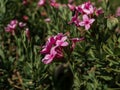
{"type": "Point", "coordinates": [62, 42]}
{"type": "Point", "coordinates": [58, 36]}
{"type": "Point", "coordinates": [86, 22]}
{"type": "Point", "coordinates": [25, 18]}
{"type": "Point", "coordinates": [49, 57]}
{"type": "Point", "coordinates": [41, 2]}
{"type": "Point", "coordinates": [79, 9]}
{"type": "Point", "coordinates": [71, 7]}
{"type": "Point", "coordinates": [75, 20]}
{"type": "Point", "coordinates": [59, 52]}
{"type": "Point", "coordinates": [48, 45]}
{"type": "Point", "coordinates": [98, 11]}
{"type": "Point", "coordinates": [11, 27]}
{"type": "Point", "coordinates": [47, 20]}
{"type": "Point", "coordinates": [55, 4]}
{"type": "Point", "coordinates": [118, 11]}
{"type": "Point", "coordinates": [53, 49]}
{"type": "Point", "coordinates": [21, 24]}
{"type": "Point", "coordinates": [27, 33]}
{"type": "Point", "coordinates": [86, 8]}
{"type": "Point", "coordinates": [25, 2]}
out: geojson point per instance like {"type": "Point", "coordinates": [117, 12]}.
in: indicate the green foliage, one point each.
{"type": "Point", "coordinates": [93, 65]}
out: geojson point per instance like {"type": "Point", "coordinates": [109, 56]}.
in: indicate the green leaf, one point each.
{"type": "Point", "coordinates": [107, 78]}
{"type": "Point", "coordinates": [2, 54]}
{"type": "Point", "coordinates": [107, 50]}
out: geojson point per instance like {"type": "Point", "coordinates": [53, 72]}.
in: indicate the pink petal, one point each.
{"type": "Point", "coordinates": [77, 39]}
{"type": "Point", "coordinates": [61, 43]}
{"type": "Point", "coordinates": [80, 9]}
{"type": "Point", "coordinates": [55, 5]}
{"type": "Point", "coordinates": [87, 26]}
{"type": "Point", "coordinates": [27, 33]}
{"type": "Point", "coordinates": [91, 21]}
{"type": "Point", "coordinates": [21, 24]}
{"type": "Point", "coordinates": [91, 9]}
{"type": "Point", "coordinates": [46, 59]}
{"type": "Point", "coordinates": [49, 57]}
{"type": "Point", "coordinates": [85, 17]}
{"type": "Point", "coordinates": [71, 7]}
{"type": "Point", "coordinates": [59, 52]}
{"type": "Point", "coordinates": [82, 23]}
{"type": "Point", "coordinates": [118, 11]}
{"type": "Point", "coordinates": [64, 38]}
{"type": "Point", "coordinates": [47, 20]}
{"type": "Point", "coordinates": [51, 40]}
{"type": "Point", "coordinates": [53, 50]}
{"type": "Point", "coordinates": [41, 2]}
{"type": "Point", "coordinates": [64, 44]}
{"type": "Point", "coordinates": [86, 11]}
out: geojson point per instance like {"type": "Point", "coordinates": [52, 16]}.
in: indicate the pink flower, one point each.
{"type": "Point", "coordinates": [41, 2]}
{"type": "Point", "coordinates": [25, 2]}
{"type": "Point", "coordinates": [79, 9]}
{"type": "Point", "coordinates": [21, 24]}
{"type": "Point", "coordinates": [59, 52]}
{"type": "Point", "coordinates": [48, 45]}
{"type": "Point", "coordinates": [47, 20]}
{"type": "Point", "coordinates": [71, 7]}
{"type": "Point", "coordinates": [27, 32]}
{"type": "Point", "coordinates": [54, 4]}
{"type": "Point", "coordinates": [86, 8]}
{"type": "Point", "coordinates": [53, 49]}
{"type": "Point", "coordinates": [25, 18]}
{"type": "Point", "coordinates": [86, 22]}
{"type": "Point", "coordinates": [11, 27]}
{"type": "Point", "coordinates": [75, 20]}
{"type": "Point", "coordinates": [62, 42]}
{"type": "Point", "coordinates": [49, 57]}
{"type": "Point", "coordinates": [98, 11]}
{"type": "Point", "coordinates": [58, 36]}
{"type": "Point", "coordinates": [75, 40]}
{"type": "Point", "coordinates": [118, 11]}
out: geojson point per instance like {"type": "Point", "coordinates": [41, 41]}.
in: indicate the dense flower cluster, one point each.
{"type": "Point", "coordinates": [11, 27]}
{"type": "Point", "coordinates": [52, 3]}
{"type": "Point", "coordinates": [54, 48]}
{"type": "Point", "coordinates": [87, 11]}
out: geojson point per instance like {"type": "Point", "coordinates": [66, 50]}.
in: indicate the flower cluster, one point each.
{"type": "Point", "coordinates": [52, 3]}
{"type": "Point", "coordinates": [11, 27]}
{"type": "Point", "coordinates": [54, 48]}
{"type": "Point", "coordinates": [87, 11]}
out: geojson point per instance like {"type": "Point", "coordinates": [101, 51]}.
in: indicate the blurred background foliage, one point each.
{"type": "Point", "coordinates": [94, 65]}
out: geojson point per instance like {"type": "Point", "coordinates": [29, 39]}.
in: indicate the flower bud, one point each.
{"type": "Point", "coordinates": [112, 22]}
